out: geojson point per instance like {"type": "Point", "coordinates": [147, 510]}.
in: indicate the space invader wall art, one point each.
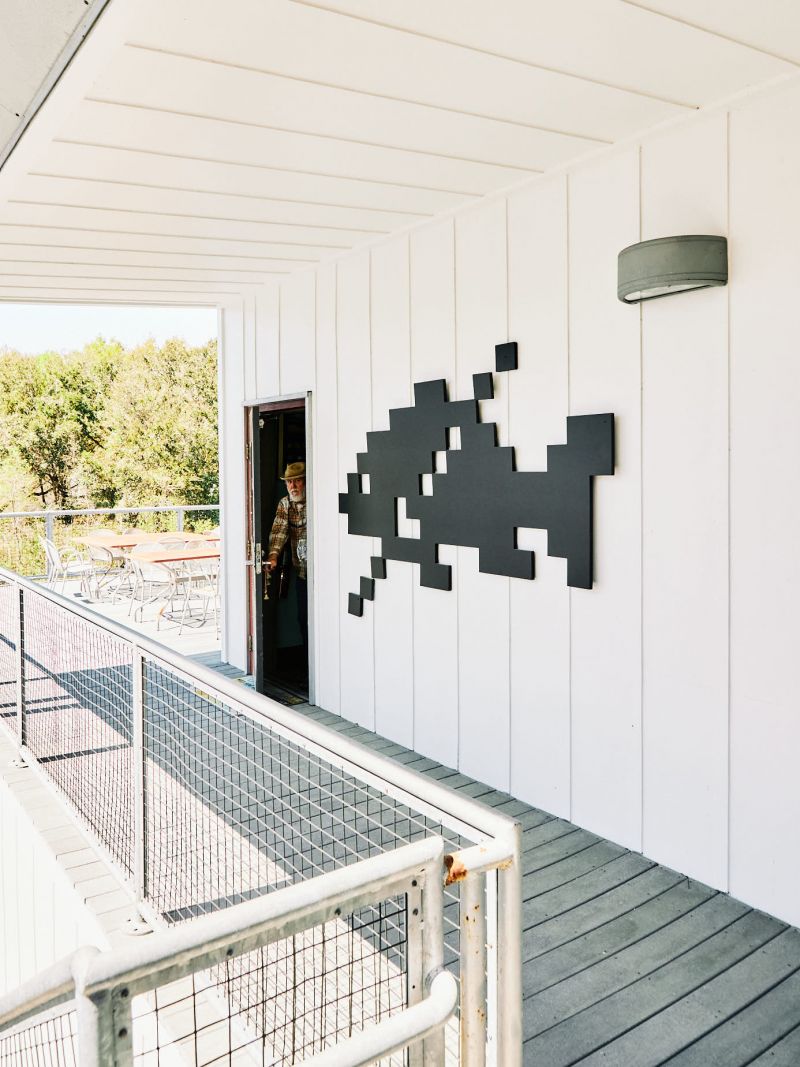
{"type": "Point", "coordinates": [481, 500]}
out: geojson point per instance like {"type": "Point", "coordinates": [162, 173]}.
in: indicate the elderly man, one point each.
{"type": "Point", "coordinates": [290, 524]}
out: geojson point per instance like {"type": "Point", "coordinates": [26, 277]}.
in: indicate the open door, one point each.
{"type": "Point", "coordinates": [279, 660]}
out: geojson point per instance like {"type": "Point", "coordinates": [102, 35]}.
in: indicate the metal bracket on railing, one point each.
{"type": "Point", "coordinates": [137, 926]}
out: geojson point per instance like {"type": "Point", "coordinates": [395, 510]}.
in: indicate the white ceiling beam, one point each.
{"type": "Point", "coordinates": [153, 170]}
{"type": "Point", "coordinates": [602, 41]}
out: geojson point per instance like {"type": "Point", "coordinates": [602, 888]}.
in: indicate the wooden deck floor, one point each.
{"type": "Point", "coordinates": [627, 963]}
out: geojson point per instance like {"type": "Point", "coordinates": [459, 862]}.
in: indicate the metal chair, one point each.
{"type": "Point", "coordinates": [200, 581]}
{"type": "Point", "coordinates": [155, 582]}
{"type": "Point", "coordinates": [65, 563]}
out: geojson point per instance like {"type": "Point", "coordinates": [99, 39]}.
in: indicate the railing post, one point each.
{"type": "Point", "coordinates": [139, 815]}
{"type": "Point", "coordinates": [415, 975]}
{"type": "Point", "coordinates": [104, 1029]}
{"type": "Point", "coordinates": [433, 949]}
{"type": "Point", "coordinates": [20, 665]}
{"type": "Point", "coordinates": [48, 525]}
{"type": "Point", "coordinates": [473, 971]}
{"type": "Point", "coordinates": [180, 520]}
{"type": "Point", "coordinates": [509, 958]}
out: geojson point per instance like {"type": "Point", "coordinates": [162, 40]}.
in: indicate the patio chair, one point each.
{"type": "Point", "coordinates": [65, 563]}
{"type": "Point", "coordinates": [154, 582]}
{"type": "Point", "coordinates": [107, 563]}
{"type": "Point", "coordinates": [200, 581]}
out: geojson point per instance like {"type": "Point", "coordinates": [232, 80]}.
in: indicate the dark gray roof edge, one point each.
{"type": "Point", "coordinates": [53, 76]}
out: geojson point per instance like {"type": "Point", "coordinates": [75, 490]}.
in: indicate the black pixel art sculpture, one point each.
{"type": "Point", "coordinates": [482, 499]}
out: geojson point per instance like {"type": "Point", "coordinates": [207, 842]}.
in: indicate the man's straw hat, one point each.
{"type": "Point", "coordinates": [294, 470]}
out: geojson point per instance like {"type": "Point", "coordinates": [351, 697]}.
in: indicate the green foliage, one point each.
{"type": "Point", "coordinates": [106, 427]}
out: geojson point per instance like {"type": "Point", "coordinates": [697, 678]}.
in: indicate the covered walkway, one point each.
{"type": "Point", "coordinates": [626, 962]}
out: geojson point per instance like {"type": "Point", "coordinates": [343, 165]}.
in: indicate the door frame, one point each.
{"type": "Point", "coordinates": [255, 588]}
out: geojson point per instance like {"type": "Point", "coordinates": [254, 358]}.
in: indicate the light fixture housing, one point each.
{"type": "Point", "coordinates": [671, 265]}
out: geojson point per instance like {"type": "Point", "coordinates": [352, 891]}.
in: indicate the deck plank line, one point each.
{"type": "Point", "coordinates": [628, 928]}
{"type": "Point", "coordinates": [625, 961]}
{"type": "Point", "coordinates": [749, 1032]}
{"type": "Point", "coordinates": [783, 1053]}
{"type": "Point", "coordinates": [583, 1038]}
{"type": "Point", "coordinates": [732, 991]}
{"type": "Point", "coordinates": [616, 972]}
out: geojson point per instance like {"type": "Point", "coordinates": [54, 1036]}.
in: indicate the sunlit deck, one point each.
{"type": "Point", "coordinates": [197, 636]}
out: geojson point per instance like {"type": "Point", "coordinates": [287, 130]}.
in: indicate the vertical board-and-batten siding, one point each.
{"type": "Point", "coordinates": [354, 385]}
{"type": "Point", "coordinates": [391, 388]}
{"type": "Point", "coordinates": [765, 504]}
{"type": "Point", "coordinates": [612, 706]}
{"type": "Point", "coordinates": [685, 520]}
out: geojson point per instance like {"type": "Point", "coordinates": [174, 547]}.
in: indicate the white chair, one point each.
{"type": "Point", "coordinates": [65, 563]}
{"type": "Point", "coordinates": [200, 582]}
{"type": "Point", "coordinates": [154, 582]}
{"type": "Point", "coordinates": [106, 570]}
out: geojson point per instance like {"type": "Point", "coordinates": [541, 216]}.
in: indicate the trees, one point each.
{"type": "Point", "coordinates": [105, 427]}
{"type": "Point", "coordinates": [161, 418]}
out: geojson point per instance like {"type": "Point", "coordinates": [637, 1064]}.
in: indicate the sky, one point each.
{"type": "Point", "coordinates": [35, 328]}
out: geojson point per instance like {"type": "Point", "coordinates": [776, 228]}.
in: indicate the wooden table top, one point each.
{"type": "Point", "coordinates": [177, 555]}
{"type": "Point", "coordinates": [118, 540]}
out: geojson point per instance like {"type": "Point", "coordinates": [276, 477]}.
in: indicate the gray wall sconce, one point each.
{"type": "Point", "coordinates": [671, 265]}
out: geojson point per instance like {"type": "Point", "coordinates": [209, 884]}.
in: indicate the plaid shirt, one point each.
{"type": "Point", "coordinates": [290, 519]}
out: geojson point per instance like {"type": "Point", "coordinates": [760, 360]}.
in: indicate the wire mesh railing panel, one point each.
{"type": "Point", "coordinates": [78, 718]}
{"type": "Point", "coordinates": [49, 1041]}
{"type": "Point", "coordinates": [9, 635]}
{"type": "Point", "coordinates": [235, 810]}
{"type": "Point", "coordinates": [284, 1002]}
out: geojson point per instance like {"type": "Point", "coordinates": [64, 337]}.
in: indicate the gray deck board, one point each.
{"type": "Point", "coordinates": [669, 1031]}
{"type": "Point", "coordinates": [627, 963]}
{"type": "Point", "coordinates": [576, 1039]}
{"type": "Point", "coordinates": [570, 996]}
{"type": "Point", "coordinates": [628, 928]}
{"type": "Point", "coordinates": [748, 1032]}
{"type": "Point", "coordinates": [784, 1053]}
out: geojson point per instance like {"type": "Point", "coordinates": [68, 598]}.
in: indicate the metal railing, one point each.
{"type": "Point", "coordinates": [102, 988]}
{"type": "Point", "coordinates": [20, 534]}
{"type": "Point", "coordinates": [204, 795]}
{"type": "Point", "coordinates": [51, 514]}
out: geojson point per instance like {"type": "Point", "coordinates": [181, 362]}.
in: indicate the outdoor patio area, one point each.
{"type": "Point", "coordinates": [198, 636]}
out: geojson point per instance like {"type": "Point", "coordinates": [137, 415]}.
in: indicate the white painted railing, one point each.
{"type": "Point", "coordinates": [268, 794]}
{"type": "Point", "coordinates": [51, 514]}
{"type": "Point", "coordinates": [104, 985]}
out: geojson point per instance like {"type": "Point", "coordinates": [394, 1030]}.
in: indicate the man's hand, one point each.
{"type": "Point", "coordinates": [272, 563]}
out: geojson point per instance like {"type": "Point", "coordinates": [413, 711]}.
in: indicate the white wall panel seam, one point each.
{"type": "Point", "coordinates": [729, 516]}
{"type": "Point", "coordinates": [642, 717]}
{"type": "Point", "coordinates": [370, 426]}
{"type": "Point", "coordinates": [281, 298]}
{"type": "Point", "coordinates": [510, 617]}
{"type": "Point", "coordinates": [458, 569]}
{"type": "Point", "coordinates": [413, 575]}
{"type": "Point", "coordinates": [338, 520]}
{"type": "Point", "coordinates": [568, 279]}
{"type": "Point", "coordinates": [315, 634]}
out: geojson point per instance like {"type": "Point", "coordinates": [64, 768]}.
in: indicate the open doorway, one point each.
{"type": "Point", "coordinates": [279, 596]}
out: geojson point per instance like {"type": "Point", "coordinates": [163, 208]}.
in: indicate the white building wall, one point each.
{"type": "Point", "coordinates": [42, 918]}
{"type": "Point", "coordinates": [659, 708]}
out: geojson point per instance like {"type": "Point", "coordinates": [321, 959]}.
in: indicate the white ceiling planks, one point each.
{"type": "Point", "coordinates": [154, 222]}
{"type": "Point", "coordinates": [611, 42]}
{"type": "Point", "coordinates": [123, 165]}
{"type": "Point", "coordinates": [769, 25]}
{"type": "Point", "coordinates": [235, 141]}
{"type": "Point", "coordinates": [317, 49]}
{"type": "Point", "coordinates": [195, 150]}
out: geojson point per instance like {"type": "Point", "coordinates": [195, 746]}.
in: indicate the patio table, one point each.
{"type": "Point", "coordinates": [123, 541]}
{"type": "Point", "coordinates": [177, 555]}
